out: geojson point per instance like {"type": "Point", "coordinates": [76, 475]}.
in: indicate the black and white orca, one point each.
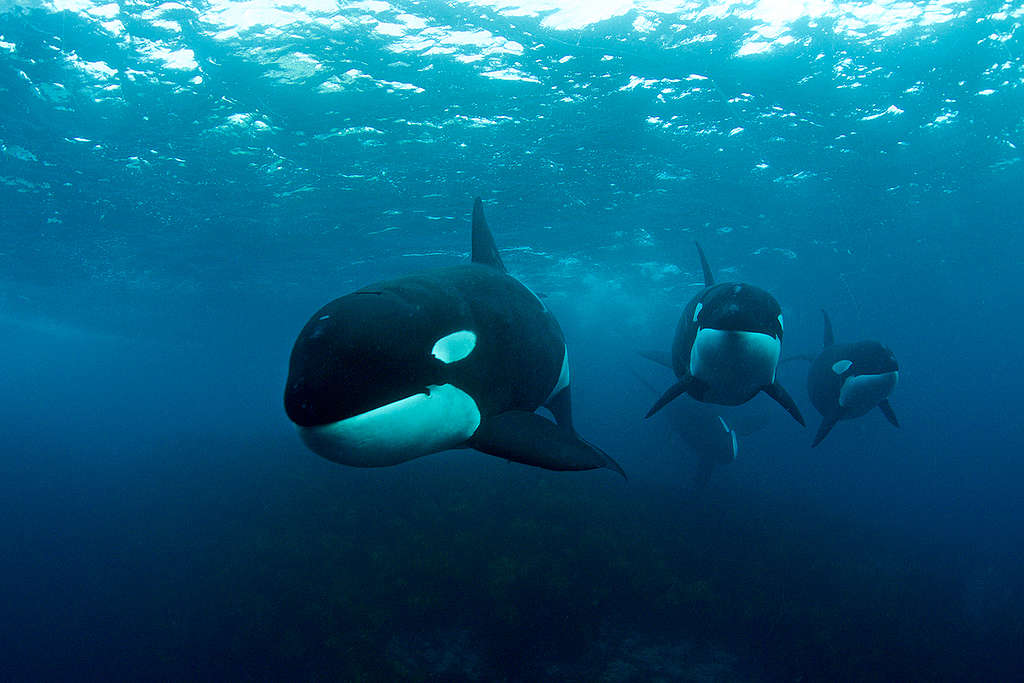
{"type": "Point", "coordinates": [703, 428]}
{"type": "Point", "coordinates": [727, 346]}
{"type": "Point", "coordinates": [458, 357]}
{"type": "Point", "coordinates": [848, 380]}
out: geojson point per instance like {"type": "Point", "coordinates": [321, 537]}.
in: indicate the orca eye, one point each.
{"type": "Point", "coordinates": [454, 347]}
{"type": "Point", "coordinates": [696, 311]}
{"type": "Point", "coordinates": [782, 328]}
{"type": "Point", "coordinates": [841, 366]}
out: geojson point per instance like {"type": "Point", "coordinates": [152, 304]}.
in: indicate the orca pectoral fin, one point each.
{"type": "Point", "coordinates": [659, 357]}
{"type": "Point", "coordinates": [827, 423]}
{"type": "Point", "coordinates": [530, 439]}
{"type": "Point", "coordinates": [783, 398]}
{"type": "Point", "coordinates": [888, 412]}
{"type": "Point", "coordinates": [680, 387]}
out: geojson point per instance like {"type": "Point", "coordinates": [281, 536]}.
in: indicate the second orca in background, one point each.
{"type": "Point", "coordinates": [709, 431]}
{"type": "Point", "coordinates": [727, 346]}
{"type": "Point", "coordinates": [848, 380]}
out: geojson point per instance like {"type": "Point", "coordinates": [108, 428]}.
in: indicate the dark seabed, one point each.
{"type": "Point", "coordinates": [183, 184]}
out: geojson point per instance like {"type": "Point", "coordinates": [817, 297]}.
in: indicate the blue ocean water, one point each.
{"type": "Point", "coordinates": [183, 184]}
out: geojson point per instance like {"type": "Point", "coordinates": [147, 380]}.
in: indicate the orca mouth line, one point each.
{"type": "Point", "coordinates": [722, 329]}
{"type": "Point", "coordinates": [441, 418]}
{"type": "Point", "coordinates": [304, 417]}
{"type": "Point", "coordinates": [862, 391]}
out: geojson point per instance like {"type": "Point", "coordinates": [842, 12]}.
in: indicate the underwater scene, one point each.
{"type": "Point", "coordinates": [511, 340]}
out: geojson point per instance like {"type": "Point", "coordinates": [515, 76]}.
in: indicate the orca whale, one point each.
{"type": "Point", "coordinates": [457, 357]}
{"type": "Point", "coordinates": [727, 346]}
{"type": "Point", "coordinates": [848, 380]}
{"type": "Point", "coordinates": [704, 429]}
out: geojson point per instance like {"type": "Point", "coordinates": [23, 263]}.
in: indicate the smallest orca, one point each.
{"type": "Point", "coordinates": [849, 380]}
{"type": "Point", "coordinates": [703, 429]}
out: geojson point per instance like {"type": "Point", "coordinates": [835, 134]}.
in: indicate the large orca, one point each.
{"type": "Point", "coordinates": [727, 346]}
{"type": "Point", "coordinates": [848, 380]}
{"type": "Point", "coordinates": [458, 357]}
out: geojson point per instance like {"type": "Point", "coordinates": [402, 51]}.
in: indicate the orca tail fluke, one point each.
{"type": "Point", "coordinates": [671, 393]}
{"type": "Point", "coordinates": [890, 415]}
{"type": "Point", "coordinates": [782, 397]}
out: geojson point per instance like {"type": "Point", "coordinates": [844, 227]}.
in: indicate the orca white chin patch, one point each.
{"type": "Point", "coordinates": [861, 393]}
{"type": "Point", "coordinates": [734, 365]}
{"type": "Point", "coordinates": [414, 426]}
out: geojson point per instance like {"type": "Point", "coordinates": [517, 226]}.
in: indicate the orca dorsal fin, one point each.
{"type": "Point", "coordinates": [709, 279]}
{"type": "Point", "coordinates": [485, 252]}
{"type": "Point", "coordinates": [830, 339]}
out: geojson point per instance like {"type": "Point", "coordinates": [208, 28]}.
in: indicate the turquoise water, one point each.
{"type": "Point", "coordinates": [183, 184]}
